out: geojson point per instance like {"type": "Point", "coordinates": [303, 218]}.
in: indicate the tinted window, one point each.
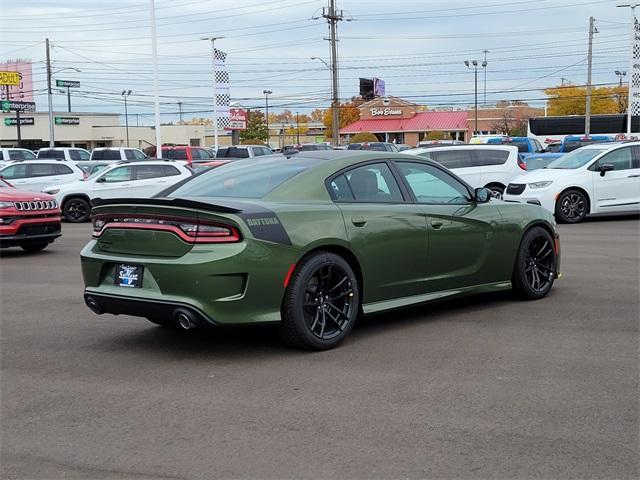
{"type": "Point", "coordinates": [42, 170]}
{"type": "Point", "coordinates": [105, 155]}
{"type": "Point", "coordinates": [431, 185]}
{"type": "Point", "coordinates": [1, 155]}
{"type": "Point", "coordinates": [129, 155]}
{"type": "Point", "coordinates": [491, 157]}
{"type": "Point", "coordinates": [51, 153]}
{"type": "Point", "coordinates": [149, 171]}
{"type": "Point", "coordinates": [20, 155]}
{"type": "Point", "coordinates": [523, 145]}
{"type": "Point", "coordinates": [14, 171]}
{"type": "Point", "coordinates": [620, 159]}
{"type": "Point", "coordinates": [119, 174]}
{"type": "Point", "coordinates": [84, 155]}
{"type": "Point", "coordinates": [222, 152]}
{"type": "Point", "coordinates": [339, 189]}
{"type": "Point", "coordinates": [63, 169]}
{"type": "Point", "coordinates": [454, 158]}
{"type": "Point", "coordinates": [139, 155]}
{"type": "Point", "coordinates": [240, 180]}
{"type": "Point", "coordinates": [74, 155]}
{"type": "Point", "coordinates": [353, 146]}
{"type": "Point", "coordinates": [374, 183]}
{"type": "Point", "coordinates": [308, 148]}
{"type": "Point", "coordinates": [233, 152]}
{"type": "Point", "coordinates": [170, 170]}
{"type": "Point", "coordinates": [175, 154]}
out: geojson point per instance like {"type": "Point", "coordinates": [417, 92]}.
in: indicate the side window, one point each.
{"type": "Point", "coordinates": [43, 170]}
{"type": "Point", "coordinates": [139, 155]}
{"type": "Point", "coordinates": [374, 183]}
{"type": "Point", "coordinates": [620, 159]}
{"type": "Point", "coordinates": [15, 155]}
{"type": "Point", "coordinates": [170, 170]}
{"type": "Point", "coordinates": [267, 151]}
{"type": "Point", "coordinates": [84, 155]}
{"type": "Point", "coordinates": [63, 169]}
{"type": "Point", "coordinates": [636, 157]}
{"type": "Point", "coordinates": [149, 171]}
{"type": "Point", "coordinates": [119, 174]}
{"type": "Point", "coordinates": [339, 189]}
{"type": "Point", "coordinates": [538, 145]}
{"type": "Point", "coordinates": [1, 155]}
{"type": "Point", "coordinates": [491, 157]}
{"type": "Point", "coordinates": [75, 155]}
{"type": "Point", "coordinates": [130, 154]}
{"type": "Point", "coordinates": [456, 158]}
{"type": "Point", "coordinates": [14, 172]}
{"type": "Point", "coordinates": [432, 185]}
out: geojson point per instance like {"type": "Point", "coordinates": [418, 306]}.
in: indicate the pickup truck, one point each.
{"type": "Point", "coordinates": [524, 144]}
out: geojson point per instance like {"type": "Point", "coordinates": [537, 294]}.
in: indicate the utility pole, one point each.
{"type": "Point", "coordinates": [156, 93]}
{"type": "Point", "coordinates": [297, 128]}
{"type": "Point", "coordinates": [485, 77]}
{"type": "Point", "coordinates": [587, 114]}
{"type": "Point", "coordinates": [620, 74]}
{"type": "Point", "coordinates": [180, 111]}
{"type": "Point", "coordinates": [125, 94]}
{"type": "Point", "coordinates": [49, 96]}
{"type": "Point", "coordinates": [266, 102]}
{"type": "Point", "coordinates": [333, 17]}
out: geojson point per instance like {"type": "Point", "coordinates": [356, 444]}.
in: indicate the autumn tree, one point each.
{"type": "Point", "coordinates": [287, 116]}
{"type": "Point", "coordinates": [317, 115]}
{"type": "Point", "coordinates": [571, 100]}
{"type": "Point", "coordinates": [256, 128]}
{"type": "Point", "coordinates": [349, 113]}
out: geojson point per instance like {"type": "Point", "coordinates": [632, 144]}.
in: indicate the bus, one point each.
{"type": "Point", "coordinates": [553, 129]}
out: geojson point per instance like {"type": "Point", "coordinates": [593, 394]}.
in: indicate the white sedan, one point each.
{"type": "Point", "coordinates": [596, 179]}
{"type": "Point", "coordinates": [120, 180]}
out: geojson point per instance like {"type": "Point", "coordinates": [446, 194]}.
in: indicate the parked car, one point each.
{"type": "Point", "coordinates": [524, 144]}
{"type": "Point", "coordinates": [438, 143]}
{"type": "Point", "coordinates": [188, 154]}
{"type": "Point", "coordinates": [572, 142]}
{"type": "Point", "coordinates": [64, 153]}
{"type": "Point", "coordinates": [310, 147]}
{"type": "Point", "coordinates": [595, 179]}
{"type": "Point", "coordinates": [29, 220]}
{"type": "Point", "coordinates": [490, 166]}
{"type": "Point", "coordinates": [373, 146]}
{"type": "Point", "coordinates": [34, 175]}
{"type": "Point", "coordinates": [7, 154]}
{"type": "Point", "coordinates": [90, 167]}
{"type": "Point", "coordinates": [116, 153]}
{"type": "Point", "coordinates": [122, 179]}
{"type": "Point", "coordinates": [403, 146]}
{"type": "Point", "coordinates": [312, 243]}
{"type": "Point", "coordinates": [202, 166]}
{"type": "Point", "coordinates": [243, 151]}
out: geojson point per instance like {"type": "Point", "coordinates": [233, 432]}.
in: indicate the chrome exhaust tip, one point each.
{"type": "Point", "coordinates": [93, 305]}
{"type": "Point", "coordinates": [184, 319]}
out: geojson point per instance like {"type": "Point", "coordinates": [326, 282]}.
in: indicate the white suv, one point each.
{"type": "Point", "coordinates": [120, 180]}
{"type": "Point", "coordinates": [490, 166]}
{"type": "Point", "coordinates": [596, 179]}
{"type": "Point", "coordinates": [34, 175]}
{"type": "Point", "coordinates": [8, 154]}
{"type": "Point", "coordinates": [114, 153]}
{"type": "Point", "coordinates": [64, 153]}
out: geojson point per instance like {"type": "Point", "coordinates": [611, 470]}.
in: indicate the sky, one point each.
{"type": "Point", "coordinates": [417, 47]}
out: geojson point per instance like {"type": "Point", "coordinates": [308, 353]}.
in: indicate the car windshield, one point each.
{"type": "Point", "coordinates": [105, 154]}
{"type": "Point", "coordinates": [175, 153]}
{"type": "Point", "coordinates": [242, 179]}
{"type": "Point", "coordinates": [576, 159]}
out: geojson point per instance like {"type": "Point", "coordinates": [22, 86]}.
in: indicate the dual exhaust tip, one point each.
{"type": "Point", "coordinates": [183, 318]}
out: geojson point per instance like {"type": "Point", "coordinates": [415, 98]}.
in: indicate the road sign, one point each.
{"type": "Point", "coordinates": [237, 119]}
{"type": "Point", "coordinates": [67, 83]}
{"type": "Point", "coordinates": [13, 121]}
{"type": "Point", "coordinates": [9, 78]}
{"type": "Point", "coordinates": [10, 105]}
{"type": "Point", "coordinates": [67, 120]}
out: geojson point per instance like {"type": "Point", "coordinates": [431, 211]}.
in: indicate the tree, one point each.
{"type": "Point", "coordinates": [198, 121]}
{"type": "Point", "coordinates": [437, 135]}
{"type": "Point", "coordinates": [361, 137]}
{"type": "Point", "coordinates": [349, 113]}
{"type": "Point", "coordinates": [256, 128]}
{"type": "Point", "coordinates": [510, 124]}
{"type": "Point", "coordinates": [571, 100]}
{"type": "Point", "coordinates": [317, 115]}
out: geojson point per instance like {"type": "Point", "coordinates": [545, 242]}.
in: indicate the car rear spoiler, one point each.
{"type": "Point", "coordinates": [167, 202]}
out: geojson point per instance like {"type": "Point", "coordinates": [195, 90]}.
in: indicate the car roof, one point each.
{"type": "Point", "coordinates": [471, 146]}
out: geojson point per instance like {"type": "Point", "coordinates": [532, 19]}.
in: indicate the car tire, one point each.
{"type": "Point", "coordinates": [535, 266]}
{"type": "Point", "coordinates": [321, 302]}
{"type": "Point", "coordinates": [34, 247]}
{"type": "Point", "coordinates": [497, 191]}
{"type": "Point", "coordinates": [572, 206]}
{"type": "Point", "coordinates": [76, 210]}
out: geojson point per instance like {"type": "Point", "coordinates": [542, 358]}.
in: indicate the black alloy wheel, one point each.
{"type": "Point", "coordinates": [321, 302]}
{"type": "Point", "coordinates": [535, 268]}
{"type": "Point", "coordinates": [572, 206]}
{"type": "Point", "coordinates": [76, 210]}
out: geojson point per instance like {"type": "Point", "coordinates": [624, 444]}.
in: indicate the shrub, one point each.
{"type": "Point", "coordinates": [363, 137]}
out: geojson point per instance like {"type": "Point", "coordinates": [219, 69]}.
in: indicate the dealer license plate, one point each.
{"type": "Point", "coordinates": [129, 275]}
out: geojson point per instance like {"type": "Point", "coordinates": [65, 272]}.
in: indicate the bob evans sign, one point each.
{"type": "Point", "coordinates": [385, 112]}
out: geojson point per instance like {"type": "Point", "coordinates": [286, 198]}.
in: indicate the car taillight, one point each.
{"type": "Point", "coordinates": [198, 232]}
{"type": "Point", "coordinates": [522, 164]}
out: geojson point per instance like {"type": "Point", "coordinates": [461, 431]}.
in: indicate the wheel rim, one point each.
{"type": "Point", "coordinates": [328, 302]}
{"type": "Point", "coordinates": [76, 210]}
{"type": "Point", "coordinates": [573, 206]}
{"type": "Point", "coordinates": [539, 263]}
{"type": "Point", "coordinates": [497, 194]}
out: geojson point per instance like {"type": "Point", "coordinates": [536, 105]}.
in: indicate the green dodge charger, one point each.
{"type": "Point", "coordinates": [311, 242]}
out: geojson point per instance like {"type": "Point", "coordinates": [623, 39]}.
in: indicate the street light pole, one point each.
{"type": "Point", "coordinates": [620, 74]}
{"type": "Point", "coordinates": [297, 128]}
{"type": "Point", "coordinates": [266, 101]}
{"type": "Point", "coordinates": [49, 96]}
{"type": "Point", "coordinates": [125, 94]}
{"type": "Point", "coordinates": [474, 63]}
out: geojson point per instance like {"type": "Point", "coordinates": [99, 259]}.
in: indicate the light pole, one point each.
{"type": "Point", "coordinates": [485, 76]}
{"type": "Point", "coordinates": [474, 63]}
{"type": "Point", "coordinates": [125, 94]}
{"type": "Point", "coordinates": [620, 73]}
{"type": "Point", "coordinates": [297, 128]}
{"type": "Point", "coordinates": [266, 102]}
{"type": "Point", "coordinates": [215, 87]}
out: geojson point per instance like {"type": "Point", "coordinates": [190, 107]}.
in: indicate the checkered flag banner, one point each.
{"type": "Point", "coordinates": [634, 94]}
{"type": "Point", "coordinates": [223, 96]}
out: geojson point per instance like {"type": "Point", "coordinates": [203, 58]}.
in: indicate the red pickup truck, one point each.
{"type": "Point", "coordinates": [28, 220]}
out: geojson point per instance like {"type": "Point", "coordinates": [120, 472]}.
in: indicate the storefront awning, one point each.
{"type": "Point", "coordinates": [420, 122]}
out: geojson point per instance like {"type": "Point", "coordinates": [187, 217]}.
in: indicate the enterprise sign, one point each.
{"type": "Point", "coordinates": [67, 120]}
{"type": "Point", "coordinates": [13, 121]}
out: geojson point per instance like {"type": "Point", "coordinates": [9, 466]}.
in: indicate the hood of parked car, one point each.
{"type": "Point", "coordinates": [9, 194]}
{"type": "Point", "coordinates": [546, 174]}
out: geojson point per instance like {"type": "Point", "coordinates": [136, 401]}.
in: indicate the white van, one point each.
{"type": "Point", "coordinates": [490, 166]}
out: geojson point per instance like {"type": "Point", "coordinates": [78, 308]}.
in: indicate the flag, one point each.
{"type": "Point", "coordinates": [223, 96]}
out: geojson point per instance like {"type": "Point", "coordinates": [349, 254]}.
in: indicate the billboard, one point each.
{"type": "Point", "coordinates": [371, 88]}
{"type": "Point", "coordinates": [23, 92]}
{"type": "Point", "coordinates": [237, 119]}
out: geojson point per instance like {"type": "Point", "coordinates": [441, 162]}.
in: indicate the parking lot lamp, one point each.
{"type": "Point", "coordinates": [125, 94]}
{"type": "Point", "coordinates": [266, 104]}
{"type": "Point", "coordinates": [469, 65]}
{"type": "Point", "coordinates": [620, 74]}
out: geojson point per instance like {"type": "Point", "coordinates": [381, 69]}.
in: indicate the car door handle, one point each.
{"type": "Point", "coordinates": [634, 176]}
{"type": "Point", "coordinates": [437, 224]}
{"type": "Point", "coordinates": [358, 221]}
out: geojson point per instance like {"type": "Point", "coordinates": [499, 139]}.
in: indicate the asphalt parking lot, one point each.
{"type": "Point", "coordinates": [486, 387]}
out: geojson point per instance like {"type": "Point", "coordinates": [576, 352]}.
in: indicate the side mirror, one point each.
{"type": "Point", "coordinates": [604, 168]}
{"type": "Point", "coordinates": [483, 195]}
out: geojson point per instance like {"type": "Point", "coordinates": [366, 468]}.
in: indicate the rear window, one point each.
{"type": "Point", "coordinates": [51, 153]}
{"type": "Point", "coordinates": [105, 155]}
{"type": "Point", "coordinates": [455, 158]}
{"type": "Point", "coordinates": [536, 163]}
{"type": "Point", "coordinates": [233, 152]}
{"type": "Point", "coordinates": [573, 144]}
{"type": "Point", "coordinates": [175, 154]}
{"type": "Point", "coordinates": [491, 157]}
{"type": "Point", "coordinates": [240, 180]}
